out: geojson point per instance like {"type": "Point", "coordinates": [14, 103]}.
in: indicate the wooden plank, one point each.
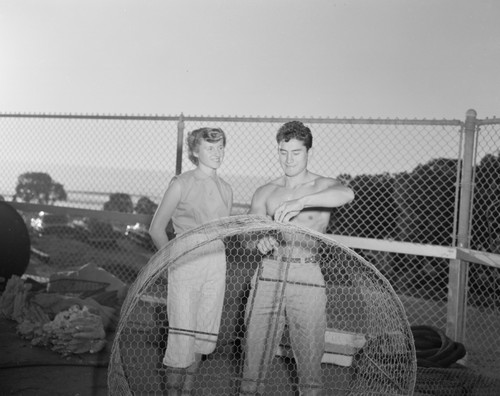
{"type": "Point", "coordinates": [478, 257]}
{"type": "Point", "coordinates": [340, 347]}
{"type": "Point", "coordinates": [385, 245]}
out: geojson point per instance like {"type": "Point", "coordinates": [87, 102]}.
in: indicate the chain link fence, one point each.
{"type": "Point", "coordinates": [106, 174]}
{"type": "Point", "coordinates": [483, 281]}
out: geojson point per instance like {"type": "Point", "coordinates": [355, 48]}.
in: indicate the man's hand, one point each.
{"type": "Point", "coordinates": [266, 244]}
{"type": "Point", "coordinates": [288, 210]}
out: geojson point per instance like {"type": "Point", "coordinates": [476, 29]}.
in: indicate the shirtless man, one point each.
{"type": "Point", "coordinates": [289, 280]}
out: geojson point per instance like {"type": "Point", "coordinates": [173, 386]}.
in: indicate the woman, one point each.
{"type": "Point", "coordinates": [196, 283]}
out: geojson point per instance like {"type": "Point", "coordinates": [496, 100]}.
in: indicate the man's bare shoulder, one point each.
{"type": "Point", "coordinates": [261, 196]}
{"type": "Point", "coordinates": [325, 181]}
{"type": "Point", "coordinates": [269, 187]}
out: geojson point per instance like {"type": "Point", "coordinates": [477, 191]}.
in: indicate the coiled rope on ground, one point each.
{"type": "Point", "coordinates": [434, 348]}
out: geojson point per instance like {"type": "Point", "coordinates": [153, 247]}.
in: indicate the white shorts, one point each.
{"type": "Point", "coordinates": [196, 287]}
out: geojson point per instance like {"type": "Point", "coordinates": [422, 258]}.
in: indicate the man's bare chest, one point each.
{"type": "Point", "coordinates": [282, 195]}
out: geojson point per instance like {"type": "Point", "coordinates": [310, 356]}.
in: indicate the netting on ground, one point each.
{"type": "Point", "coordinates": [440, 371]}
{"type": "Point", "coordinates": [313, 317]}
{"type": "Point", "coordinates": [455, 381]}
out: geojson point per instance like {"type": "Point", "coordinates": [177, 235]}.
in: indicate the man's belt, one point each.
{"type": "Point", "coordinates": [286, 259]}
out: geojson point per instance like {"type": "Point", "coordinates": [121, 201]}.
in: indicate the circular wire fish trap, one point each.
{"type": "Point", "coordinates": [275, 312]}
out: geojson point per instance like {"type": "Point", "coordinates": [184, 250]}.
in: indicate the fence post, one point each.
{"type": "Point", "coordinates": [458, 273]}
{"type": "Point", "coordinates": [180, 143]}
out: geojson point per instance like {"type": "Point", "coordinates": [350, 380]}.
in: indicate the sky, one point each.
{"type": "Point", "coordinates": [431, 59]}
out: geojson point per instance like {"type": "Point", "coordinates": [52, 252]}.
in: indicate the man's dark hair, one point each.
{"type": "Point", "coordinates": [295, 130]}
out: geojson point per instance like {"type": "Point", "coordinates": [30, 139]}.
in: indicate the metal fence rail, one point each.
{"type": "Point", "coordinates": [426, 213]}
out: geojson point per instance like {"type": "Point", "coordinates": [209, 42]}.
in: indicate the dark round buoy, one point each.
{"type": "Point", "coordinates": [15, 244]}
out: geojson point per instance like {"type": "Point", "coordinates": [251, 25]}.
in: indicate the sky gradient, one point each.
{"type": "Point", "coordinates": [430, 59]}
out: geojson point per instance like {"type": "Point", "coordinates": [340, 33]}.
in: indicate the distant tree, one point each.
{"type": "Point", "coordinates": [345, 178]}
{"type": "Point", "coordinates": [485, 219]}
{"type": "Point", "coordinates": [57, 193]}
{"type": "Point", "coordinates": [2, 198]}
{"type": "Point", "coordinates": [145, 206]}
{"type": "Point", "coordinates": [373, 213]}
{"type": "Point", "coordinates": [426, 198]}
{"type": "Point", "coordinates": [119, 202]}
{"type": "Point", "coordinates": [40, 188]}
{"type": "Point", "coordinates": [493, 225]}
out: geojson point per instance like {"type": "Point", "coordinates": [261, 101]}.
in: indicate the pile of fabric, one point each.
{"type": "Point", "coordinates": [70, 314]}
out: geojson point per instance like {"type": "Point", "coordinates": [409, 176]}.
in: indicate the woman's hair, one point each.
{"type": "Point", "coordinates": [295, 130]}
{"type": "Point", "coordinates": [194, 138]}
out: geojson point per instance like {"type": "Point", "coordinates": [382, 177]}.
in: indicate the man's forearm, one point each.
{"type": "Point", "coordinates": [328, 198]}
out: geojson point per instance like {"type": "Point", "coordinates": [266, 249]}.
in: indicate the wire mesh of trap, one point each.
{"type": "Point", "coordinates": [326, 322]}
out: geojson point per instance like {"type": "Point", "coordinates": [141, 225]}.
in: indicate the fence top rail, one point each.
{"type": "Point", "coordinates": [92, 117]}
{"type": "Point", "coordinates": [359, 121]}
{"type": "Point", "coordinates": [374, 121]}
{"type": "Point", "coordinates": [489, 121]}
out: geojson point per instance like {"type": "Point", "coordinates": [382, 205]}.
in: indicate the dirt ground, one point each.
{"type": "Point", "coordinates": [33, 371]}
{"type": "Point", "coordinates": [26, 370]}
